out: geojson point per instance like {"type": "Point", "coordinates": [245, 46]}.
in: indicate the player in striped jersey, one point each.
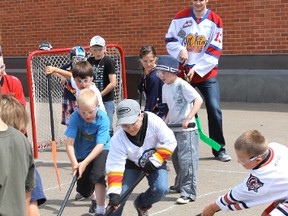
{"type": "Point", "coordinates": [143, 143]}
{"type": "Point", "coordinates": [266, 182]}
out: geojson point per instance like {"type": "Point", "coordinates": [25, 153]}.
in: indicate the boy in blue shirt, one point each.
{"type": "Point", "coordinates": [87, 146]}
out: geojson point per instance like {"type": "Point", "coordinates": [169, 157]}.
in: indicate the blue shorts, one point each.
{"type": "Point", "coordinates": [37, 194]}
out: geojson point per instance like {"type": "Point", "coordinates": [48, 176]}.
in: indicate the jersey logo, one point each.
{"type": "Point", "coordinates": [145, 156]}
{"type": "Point", "coordinates": [253, 183]}
{"type": "Point", "coordinates": [195, 43]}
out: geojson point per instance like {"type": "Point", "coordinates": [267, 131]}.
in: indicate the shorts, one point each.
{"type": "Point", "coordinates": [37, 194]}
{"type": "Point", "coordinates": [94, 173]}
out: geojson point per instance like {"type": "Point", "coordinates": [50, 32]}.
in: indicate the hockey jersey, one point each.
{"type": "Point", "coordinates": [264, 184]}
{"type": "Point", "coordinates": [158, 145]}
{"type": "Point", "coordinates": [201, 37]}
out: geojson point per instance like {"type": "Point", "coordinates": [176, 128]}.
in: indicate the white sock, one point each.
{"type": "Point", "coordinates": [100, 209]}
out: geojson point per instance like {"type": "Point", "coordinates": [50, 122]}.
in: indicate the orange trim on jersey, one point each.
{"type": "Point", "coordinates": [270, 159]}
{"type": "Point", "coordinates": [114, 185]}
{"type": "Point", "coordinates": [162, 154]}
{"type": "Point", "coordinates": [237, 206]}
{"type": "Point", "coordinates": [115, 178]}
{"type": "Point", "coordinates": [227, 200]}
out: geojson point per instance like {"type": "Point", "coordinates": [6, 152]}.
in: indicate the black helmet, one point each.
{"type": "Point", "coordinates": [45, 45]}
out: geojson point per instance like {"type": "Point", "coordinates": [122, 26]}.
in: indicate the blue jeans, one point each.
{"type": "Point", "coordinates": [158, 188]}
{"type": "Point", "coordinates": [211, 93]}
{"type": "Point", "coordinates": [110, 109]}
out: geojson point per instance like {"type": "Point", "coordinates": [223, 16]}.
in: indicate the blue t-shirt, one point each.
{"type": "Point", "coordinates": [88, 135]}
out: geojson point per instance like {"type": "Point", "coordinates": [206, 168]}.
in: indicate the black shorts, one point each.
{"type": "Point", "coordinates": [94, 173]}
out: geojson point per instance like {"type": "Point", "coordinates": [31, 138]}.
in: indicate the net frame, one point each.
{"type": "Point", "coordinates": [38, 91]}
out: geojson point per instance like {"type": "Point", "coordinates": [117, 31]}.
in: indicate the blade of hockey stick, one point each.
{"type": "Point", "coordinates": [53, 142]}
{"type": "Point", "coordinates": [67, 195]}
{"type": "Point", "coordinates": [126, 193]}
{"type": "Point", "coordinates": [215, 145]}
{"type": "Point", "coordinates": [190, 125]}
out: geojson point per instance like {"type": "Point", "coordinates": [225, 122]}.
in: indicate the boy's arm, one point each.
{"type": "Point", "coordinates": [28, 198]}
{"type": "Point", "coordinates": [111, 85]}
{"type": "Point", "coordinates": [196, 106]}
{"type": "Point", "coordinates": [93, 154]}
{"type": "Point", "coordinates": [58, 71]}
{"type": "Point", "coordinates": [71, 153]}
{"type": "Point", "coordinates": [210, 210]}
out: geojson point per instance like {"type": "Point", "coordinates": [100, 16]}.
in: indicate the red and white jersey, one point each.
{"type": "Point", "coordinates": [201, 37]}
{"type": "Point", "coordinates": [265, 184]}
{"type": "Point", "coordinates": [158, 145]}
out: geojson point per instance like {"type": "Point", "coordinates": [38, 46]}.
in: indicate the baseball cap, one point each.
{"type": "Point", "coordinates": [45, 45]}
{"type": "Point", "coordinates": [128, 111]}
{"type": "Point", "coordinates": [167, 63]}
{"type": "Point", "coordinates": [97, 41]}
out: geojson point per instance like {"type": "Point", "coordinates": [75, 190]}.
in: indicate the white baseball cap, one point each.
{"type": "Point", "coordinates": [97, 41]}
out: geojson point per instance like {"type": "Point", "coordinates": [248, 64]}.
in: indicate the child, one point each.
{"type": "Point", "coordinates": [150, 84]}
{"type": "Point", "coordinates": [13, 114]}
{"type": "Point", "coordinates": [266, 182]}
{"type": "Point", "coordinates": [80, 78]}
{"type": "Point", "coordinates": [143, 143]}
{"type": "Point", "coordinates": [183, 103]}
{"type": "Point", "coordinates": [104, 75]}
{"type": "Point", "coordinates": [17, 167]}
{"type": "Point", "coordinates": [87, 147]}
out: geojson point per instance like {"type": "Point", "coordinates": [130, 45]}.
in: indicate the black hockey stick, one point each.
{"type": "Point", "coordinates": [67, 195]}
{"type": "Point", "coordinates": [126, 193]}
{"type": "Point", "coordinates": [53, 142]}
{"type": "Point", "coordinates": [190, 125]}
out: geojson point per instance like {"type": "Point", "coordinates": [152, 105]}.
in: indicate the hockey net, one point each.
{"type": "Point", "coordinates": [39, 97]}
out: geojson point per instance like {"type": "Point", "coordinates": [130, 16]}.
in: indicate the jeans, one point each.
{"type": "Point", "coordinates": [185, 162]}
{"type": "Point", "coordinates": [110, 109]}
{"type": "Point", "coordinates": [211, 93]}
{"type": "Point", "coordinates": [158, 188]}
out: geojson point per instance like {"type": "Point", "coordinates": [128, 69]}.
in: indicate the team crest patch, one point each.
{"type": "Point", "coordinates": [253, 183]}
{"type": "Point", "coordinates": [145, 156]}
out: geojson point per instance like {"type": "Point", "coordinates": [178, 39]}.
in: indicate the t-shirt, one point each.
{"type": "Point", "coordinates": [16, 172]}
{"type": "Point", "coordinates": [102, 68]}
{"type": "Point", "coordinates": [88, 135]}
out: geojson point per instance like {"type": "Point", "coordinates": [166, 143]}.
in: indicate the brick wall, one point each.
{"type": "Point", "coordinates": [250, 27]}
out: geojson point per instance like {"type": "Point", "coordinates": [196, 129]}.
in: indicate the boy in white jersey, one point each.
{"type": "Point", "coordinates": [183, 102]}
{"type": "Point", "coordinates": [266, 182]}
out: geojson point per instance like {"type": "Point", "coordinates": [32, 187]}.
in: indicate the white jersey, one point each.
{"type": "Point", "coordinates": [202, 38]}
{"type": "Point", "coordinates": [265, 184]}
{"type": "Point", "coordinates": [93, 88]}
{"type": "Point", "coordinates": [158, 145]}
{"type": "Point", "coordinates": [179, 97]}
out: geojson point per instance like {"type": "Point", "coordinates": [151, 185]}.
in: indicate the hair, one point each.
{"type": "Point", "coordinates": [147, 49]}
{"type": "Point", "coordinates": [87, 97]}
{"type": "Point", "coordinates": [252, 142]}
{"type": "Point", "coordinates": [13, 113]}
{"type": "Point", "coordinates": [82, 69]}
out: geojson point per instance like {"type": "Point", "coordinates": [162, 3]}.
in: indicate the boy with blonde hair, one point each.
{"type": "Point", "coordinates": [87, 146]}
{"type": "Point", "coordinates": [266, 182]}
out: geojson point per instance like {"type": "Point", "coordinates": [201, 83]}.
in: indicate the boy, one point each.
{"type": "Point", "coordinates": [80, 78]}
{"type": "Point", "coordinates": [183, 103]}
{"type": "Point", "coordinates": [143, 143]}
{"type": "Point", "coordinates": [104, 75]}
{"type": "Point", "coordinates": [87, 147]}
{"type": "Point", "coordinates": [17, 170]}
{"type": "Point", "coordinates": [266, 182]}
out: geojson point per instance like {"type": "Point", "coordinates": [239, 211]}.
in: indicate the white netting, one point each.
{"type": "Point", "coordinates": [40, 98]}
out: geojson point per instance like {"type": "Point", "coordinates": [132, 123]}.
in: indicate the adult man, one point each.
{"type": "Point", "coordinates": [195, 39]}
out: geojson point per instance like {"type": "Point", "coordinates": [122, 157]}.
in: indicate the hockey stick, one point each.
{"type": "Point", "coordinates": [190, 125]}
{"type": "Point", "coordinates": [126, 193]}
{"type": "Point", "coordinates": [53, 142]}
{"type": "Point", "coordinates": [212, 143]}
{"type": "Point", "coordinates": [67, 194]}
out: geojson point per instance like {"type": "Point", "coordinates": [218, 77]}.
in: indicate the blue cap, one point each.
{"type": "Point", "coordinates": [167, 63]}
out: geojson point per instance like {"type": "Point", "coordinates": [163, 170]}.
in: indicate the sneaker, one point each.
{"type": "Point", "coordinates": [224, 157]}
{"type": "Point", "coordinates": [173, 190]}
{"type": "Point", "coordinates": [92, 208]}
{"type": "Point", "coordinates": [79, 197]}
{"type": "Point", "coordinates": [141, 212]}
{"type": "Point", "coordinates": [184, 200]}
